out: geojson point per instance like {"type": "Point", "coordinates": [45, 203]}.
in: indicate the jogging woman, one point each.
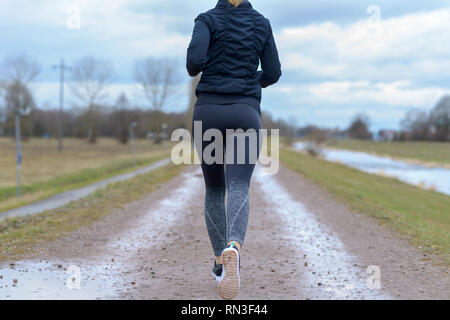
{"type": "Point", "coordinates": [228, 43]}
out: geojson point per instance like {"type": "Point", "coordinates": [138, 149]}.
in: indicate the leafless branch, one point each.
{"type": "Point", "coordinates": [21, 69]}
{"type": "Point", "coordinates": [90, 77]}
{"type": "Point", "coordinates": [18, 98]}
{"type": "Point", "coordinates": [158, 80]}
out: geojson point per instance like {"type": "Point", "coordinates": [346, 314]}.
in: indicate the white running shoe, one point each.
{"type": "Point", "coordinates": [230, 281]}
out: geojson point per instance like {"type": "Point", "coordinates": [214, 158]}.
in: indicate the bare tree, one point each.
{"type": "Point", "coordinates": [18, 99]}
{"type": "Point", "coordinates": [121, 118]}
{"type": "Point", "coordinates": [90, 78]}
{"type": "Point", "coordinates": [3, 86]}
{"type": "Point", "coordinates": [316, 137]}
{"type": "Point", "coordinates": [440, 119]}
{"type": "Point", "coordinates": [417, 125]}
{"type": "Point", "coordinates": [16, 74]}
{"type": "Point", "coordinates": [2, 109]}
{"type": "Point", "coordinates": [21, 69]}
{"type": "Point", "coordinates": [359, 128]}
{"type": "Point", "coordinates": [158, 80]}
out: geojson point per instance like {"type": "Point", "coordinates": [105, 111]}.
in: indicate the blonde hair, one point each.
{"type": "Point", "coordinates": [235, 3]}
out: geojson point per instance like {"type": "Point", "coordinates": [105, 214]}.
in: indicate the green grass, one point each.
{"type": "Point", "coordinates": [41, 160]}
{"type": "Point", "coordinates": [45, 189]}
{"type": "Point", "coordinates": [422, 216]}
{"type": "Point", "coordinates": [19, 236]}
{"type": "Point", "coordinates": [434, 152]}
{"type": "Point", "coordinates": [46, 172]}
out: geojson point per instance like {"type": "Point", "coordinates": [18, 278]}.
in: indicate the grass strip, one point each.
{"type": "Point", "coordinates": [423, 216]}
{"type": "Point", "coordinates": [45, 189]}
{"type": "Point", "coordinates": [19, 236]}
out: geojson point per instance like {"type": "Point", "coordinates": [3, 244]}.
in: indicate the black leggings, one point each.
{"type": "Point", "coordinates": [231, 176]}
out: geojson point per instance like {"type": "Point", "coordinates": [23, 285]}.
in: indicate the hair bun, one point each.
{"type": "Point", "coordinates": [235, 3]}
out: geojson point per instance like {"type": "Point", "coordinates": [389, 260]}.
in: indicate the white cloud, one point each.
{"type": "Point", "coordinates": [410, 46]}
{"type": "Point", "coordinates": [297, 61]}
{"type": "Point", "coordinates": [105, 25]}
{"type": "Point", "coordinates": [394, 94]}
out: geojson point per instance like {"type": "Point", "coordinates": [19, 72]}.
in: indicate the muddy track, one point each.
{"type": "Point", "coordinates": [301, 244]}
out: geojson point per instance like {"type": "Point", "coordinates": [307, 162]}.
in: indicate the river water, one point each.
{"type": "Point", "coordinates": [435, 178]}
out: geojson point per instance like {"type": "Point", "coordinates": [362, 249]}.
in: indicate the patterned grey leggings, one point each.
{"type": "Point", "coordinates": [226, 220]}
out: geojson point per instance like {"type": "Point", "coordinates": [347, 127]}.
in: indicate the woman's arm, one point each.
{"type": "Point", "coordinates": [197, 53]}
{"type": "Point", "coordinates": [270, 62]}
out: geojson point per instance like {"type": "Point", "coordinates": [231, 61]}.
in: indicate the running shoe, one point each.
{"type": "Point", "coordinates": [230, 282]}
{"type": "Point", "coordinates": [217, 271]}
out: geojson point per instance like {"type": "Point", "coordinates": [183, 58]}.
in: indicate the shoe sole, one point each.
{"type": "Point", "coordinates": [229, 285]}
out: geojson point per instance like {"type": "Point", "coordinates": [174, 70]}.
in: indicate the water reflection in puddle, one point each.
{"type": "Point", "coordinates": [84, 279]}
{"type": "Point", "coordinates": [50, 280]}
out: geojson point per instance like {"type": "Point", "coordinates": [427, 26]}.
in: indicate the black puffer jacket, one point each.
{"type": "Point", "coordinates": [227, 45]}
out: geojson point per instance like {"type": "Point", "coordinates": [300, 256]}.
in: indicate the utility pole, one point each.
{"type": "Point", "coordinates": [62, 68]}
{"type": "Point", "coordinates": [133, 150]}
{"type": "Point", "coordinates": [18, 151]}
{"type": "Point", "coordinates": [18, 113]}
{"type": "Point", "coordinates": [163, 133]}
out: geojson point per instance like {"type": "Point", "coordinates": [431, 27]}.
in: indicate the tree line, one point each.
{"type": "Point", "coordinates": [417, 125]}
{"type": "Point", "coordinates": [159, 82]}
{"type": "Point", "coordinates": [90, 118]}
{"type": "Point", "coordinates": [427, 126]}
{"type": "Point", "coordinates": [89, 79]}
{"type": "Point", "coordinates": [113, 121]}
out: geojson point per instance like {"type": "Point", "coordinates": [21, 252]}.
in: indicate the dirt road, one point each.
{"type": "Point", "coordinates": [301, 244]}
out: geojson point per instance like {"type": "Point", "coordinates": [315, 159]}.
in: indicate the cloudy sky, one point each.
{"type": "Point", "coordinates": [339, 58]}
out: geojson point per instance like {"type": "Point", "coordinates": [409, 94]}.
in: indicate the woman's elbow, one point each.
{"type": "Point", "coordinates": [271, 78]}
{"type": "Point", "coordinates": [276, 76]}
{"type": "Point", "coordinates": [191, 70]}
{"type": "Point", "coordinates": [194, 66]}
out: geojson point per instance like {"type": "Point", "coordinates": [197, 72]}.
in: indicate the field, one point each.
{"type": "Point", "coordinates": [430, 152]}
{"type": "Point", "coordinates": [45, 171]}
{"type": "Point", "coordinates": [421, 215]}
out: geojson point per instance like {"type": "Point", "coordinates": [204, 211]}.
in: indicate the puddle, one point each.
{"type": "Point", "coordinates": [44, 280]}
{"type": "Point", "coordinates": [87, 280]}
{"type": "Point", "coordinates": [429, 178]}
{"type": "Point", "coordinates": [331, 272]}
